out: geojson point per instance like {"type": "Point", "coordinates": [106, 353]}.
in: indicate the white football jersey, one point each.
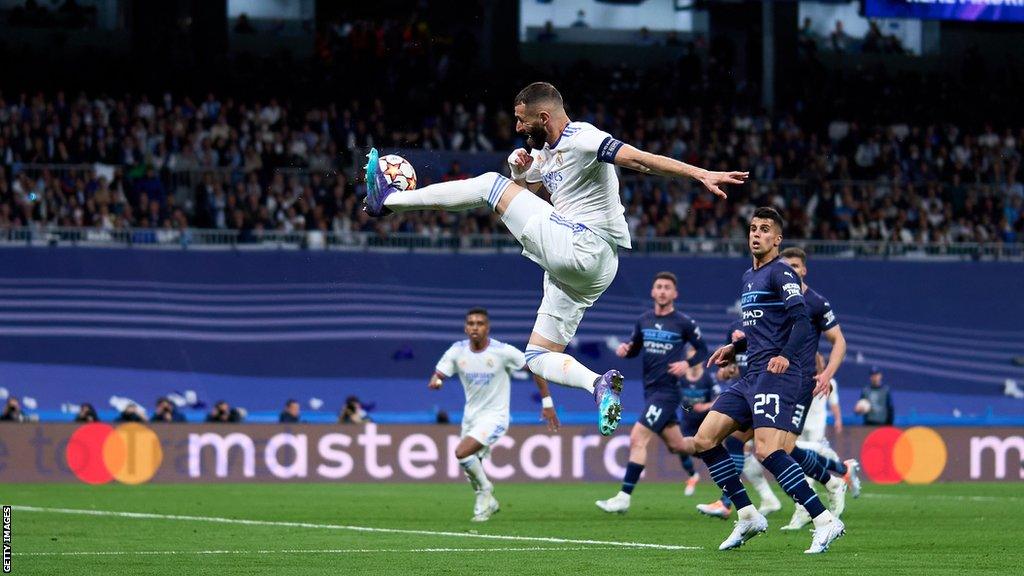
{"type": "Point", "coordinates": [815, 424]}
{"type": "Point", "coordinates": [484, 374]}
{"type": "Point", "coordinates": [579, 173]}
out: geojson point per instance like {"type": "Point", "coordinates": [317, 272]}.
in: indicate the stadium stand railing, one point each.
{"type": "Point", "coordinates": [182, 184]}
{"type": "Point", "coordinates": [196, 238]}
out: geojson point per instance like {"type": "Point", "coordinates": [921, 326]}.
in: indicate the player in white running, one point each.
{"type": "Point", "coordinates": [483, 365]}
{"type": "Point", "coordinates": [575, 238]}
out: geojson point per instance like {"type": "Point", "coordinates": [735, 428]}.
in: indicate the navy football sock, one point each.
{"type": "Point", "coordinates": [837, 466]}
{"type": "Point", "coordinates": [723, 472]}
{"type": "Point", "coordinates": [726, 501]}
{"type": "Point", "coordinates": [687, 463]}
{"type": "Point", "coordinates": [633, 471]}
{"type": "Point", "coordinates": [811, 464]}
{"type": "Point", "coordinates": [790, 477]}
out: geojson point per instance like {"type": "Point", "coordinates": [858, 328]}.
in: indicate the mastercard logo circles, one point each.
{"type": "Point", "coordinates": [99, 453]}
{"type": "Point", "coordinates": [915, 455]}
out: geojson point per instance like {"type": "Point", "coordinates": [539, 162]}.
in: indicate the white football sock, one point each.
{"type": "Point", "coordinates": [754, 473]}
{"type": "Point", "coordinates": [823, 519]}
{"type": "Point", "coordinates": [475, 473]}
{"type": "Point", "coordinates": [559, 368]}
{"type": "Point", "coordinates": [454, 196]}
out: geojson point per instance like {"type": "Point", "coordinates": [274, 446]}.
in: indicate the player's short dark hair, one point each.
{"type": "Point", "coordinates": [290, 401]}
{"type": "Point", "coordinates": [769, 213]}
{"type": "Point", "coordinates": [539, 92]}
{"type": "Point", "coordinates": [795, 252]}
{"type": "Point", "coordinates": [478, 310]}
{"type": "Point", "coordinates": [667, 276]}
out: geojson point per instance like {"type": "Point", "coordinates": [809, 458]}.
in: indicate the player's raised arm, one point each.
{"type": "Point", "coordinates": [635, 159]}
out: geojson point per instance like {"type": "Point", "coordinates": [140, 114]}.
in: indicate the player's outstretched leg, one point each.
{"type": "Point", "coordinates": [454, 196]}
{"type": "Point", "coordinates": [811, 463]}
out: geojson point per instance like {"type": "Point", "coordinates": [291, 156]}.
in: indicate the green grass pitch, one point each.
{"type": "Point", "coordinates": [891, 530]}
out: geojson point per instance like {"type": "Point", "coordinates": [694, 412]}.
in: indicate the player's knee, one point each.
{"type": "Point", "coordinates": [763, 448]}
{"type": "Point", "coordinates": [703, 442]}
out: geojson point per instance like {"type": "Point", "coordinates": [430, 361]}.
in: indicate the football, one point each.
{"type": "Point", "coordinates": [398, 171]}
{"type": "Point", "coordinates": [863, 406]}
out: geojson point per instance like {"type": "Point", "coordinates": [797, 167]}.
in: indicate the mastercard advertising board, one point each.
{"type": "Point", "coordinates": [134, 454]}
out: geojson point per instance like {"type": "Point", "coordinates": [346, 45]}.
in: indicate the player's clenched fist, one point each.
{"type": "Point", "coordinates": [623, 349]}
{"type": "Point", "coordinates": [519, 161]}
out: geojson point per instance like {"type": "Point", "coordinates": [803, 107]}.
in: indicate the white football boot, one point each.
{"type": "Point", "coordinates": [486, 506]}
{"type": "Point", "coordinates": [800, 519]}
{"type": "Point", "coordinates": [618, 504]}
{"type": "Point", "coordinates": [825, 536]}
{"type": "Point", "coordinates": [745, 530]}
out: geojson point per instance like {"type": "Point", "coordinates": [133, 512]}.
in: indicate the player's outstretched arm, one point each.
{"type": "Point", "coordinates": [636, 159]}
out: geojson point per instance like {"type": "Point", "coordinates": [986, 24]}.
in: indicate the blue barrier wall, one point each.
{"type": "Point", "coordinates": [257, 327]}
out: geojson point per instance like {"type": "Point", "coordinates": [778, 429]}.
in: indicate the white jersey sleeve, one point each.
{"type": "Point", "coordinates": [446, 365]}
{"type": "Point", "coordinates": [833, 396]}
{"type": "Point", "coordinates": [597, 145]}
{"type": "Point", "coordinates": [514, 358]}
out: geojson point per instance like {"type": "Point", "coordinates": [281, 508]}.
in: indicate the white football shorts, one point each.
{"type": "Point", "coordinates": [579, 264]}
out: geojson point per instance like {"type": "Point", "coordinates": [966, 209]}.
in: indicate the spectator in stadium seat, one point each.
{"type": "Point", "coordinates": [353, 412]}
{"type": "Point", "coordinates": [131, 413]}
{"type": "Point", "coordinates": [881, 411]}
{"type": "Point", "coordinates": [12, 411]}
{"type": "Point", "coordinates": [291, 412]}
{"type": "Point", "coordinates": [166, 411]}
{"type": "Point", "coordinates": [223, 413]}
{"type": "Point", "coordinates": [86, 413]}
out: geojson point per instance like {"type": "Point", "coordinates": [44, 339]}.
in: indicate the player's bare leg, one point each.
{"type": "Point", "coordinates": [468, 454]}
{"type": "Point", "coordinates": [772, 447]}
{"type": "Point", "coordinates": [639, 437]}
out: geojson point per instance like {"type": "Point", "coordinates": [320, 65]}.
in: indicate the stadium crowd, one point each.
{"type": "Point", "coordinates": [249, 165]}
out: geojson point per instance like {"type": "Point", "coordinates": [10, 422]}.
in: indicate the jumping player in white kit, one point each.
{"type": "Point", "coordinates": [575, 239]}
{"type": "Point", "coordinates": [483, 365]}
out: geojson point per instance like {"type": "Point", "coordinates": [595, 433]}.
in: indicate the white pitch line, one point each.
{"type": "Point", "coordinates": [283, 524]}
{"type": "Point", "coordinates": [307, 551]}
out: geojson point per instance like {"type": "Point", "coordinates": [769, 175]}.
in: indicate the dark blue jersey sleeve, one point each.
{"type": "Point", "coordinates": [788, 288]}
{"type": "Point", "coordinates": [827, 319]}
